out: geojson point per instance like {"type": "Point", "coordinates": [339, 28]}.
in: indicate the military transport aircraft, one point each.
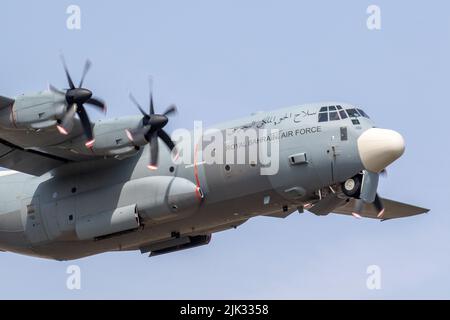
{"type": "Point", "coordinates": [77, 188]}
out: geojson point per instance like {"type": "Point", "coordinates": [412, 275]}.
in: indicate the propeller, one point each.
{"type": "Point", "coordinates": [369, 194]}
{"type": "Point", "coordinates": [151, 129]}
{"type": "Point", "coordinates": [76, 98]}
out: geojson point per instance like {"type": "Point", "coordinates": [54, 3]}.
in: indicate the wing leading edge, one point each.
{"type": "Point", "coordinates": [26, 160]}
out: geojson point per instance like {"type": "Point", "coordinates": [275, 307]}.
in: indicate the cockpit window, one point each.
{"type": "Point", "coordinates": [323, 117]}
{"type": "Point", "coordinates": [334, 116]}
{"type": "Point", "coordinates": [343, 114]}
{"type": "Point", "coordinates": [363, 113]}
{"type": "Point", "coordinates": [356, 113]}
{"type": "Point", "coordinates": [353, 113]}
{"type": "Point", "coordinates": [332, 113]}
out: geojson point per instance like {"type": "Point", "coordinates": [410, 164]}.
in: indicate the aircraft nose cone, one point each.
{"type": "Point", "coordinates": [378, 148]}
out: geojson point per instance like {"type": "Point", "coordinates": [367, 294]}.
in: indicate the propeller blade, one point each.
{"type": "Point", "coordinates": [67, 122]}
{"type": "Point", "coordinates": [378, 203]}
{"type": "Point", "coordinates": [133, 99]}
{"type": "Point", "coordinates": [75, 98]}
{"type": "Point", "coordinates": [369, 186]}
{"type": "Point", "coordinates": [86, 123]}
{"type": "Point", "coordinates": [152, 128]}
{"type": "Point", "coordinates": [99, 104]}
{"type": "Point", "coordinates": [154, 150]}
{"type": "Point", "coordinates": [130, 134]}
{"type": "Point", "coordinates": [69, 78]}
{"type": "Point", "coordinates": [170, 110]}
{"type": "Point", "coordinates": [142, 131]}
{"type": "Point", "coordinates": [359, 205]}
{"type": "Point", "coordinates": [87, 66]}
{"type": "Point", "coordinates": [150, 90]}
{"type": "Point", "coordinates": [55, 90]}
{"type": "Point", "coordinates": [152, 108]}
{"type": "Point", "coordinates": [166, 139]}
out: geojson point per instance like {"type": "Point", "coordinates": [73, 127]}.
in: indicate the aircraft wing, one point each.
{"type": "Point", "coordinates": [28, 161]}
{"type": "Point", "coordinates": [393, 210]}
{"type": "Point", "coordinates": [15, 153]}
{"type": "Point", "coordinates": [37, 151]}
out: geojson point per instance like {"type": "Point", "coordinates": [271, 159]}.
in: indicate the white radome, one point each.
{"type": "Point", "coordinates": [378, 148]}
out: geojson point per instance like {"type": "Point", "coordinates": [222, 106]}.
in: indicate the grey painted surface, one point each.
{"type": "Point", "coordinates": [43, 215]}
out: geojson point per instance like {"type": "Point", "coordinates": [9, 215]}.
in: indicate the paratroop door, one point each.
{"type": "Point", "coordinates": [34, 227]}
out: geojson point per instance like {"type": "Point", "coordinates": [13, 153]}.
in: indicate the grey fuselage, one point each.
{"type": "Point", "coordinates": [47, 216]}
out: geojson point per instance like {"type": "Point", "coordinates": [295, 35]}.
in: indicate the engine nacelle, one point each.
{"type": "Point", "coordinates": [111, 143]}
{"type": "Point", "coordinates": [138, 139]}
{"type": "Point", "coordinates": [37, 111]}
{"type": "Point", "coordinates": [110, 138]}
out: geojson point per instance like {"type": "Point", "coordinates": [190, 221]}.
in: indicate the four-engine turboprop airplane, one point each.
{"type": "Point", "coordinates": [79, 188]}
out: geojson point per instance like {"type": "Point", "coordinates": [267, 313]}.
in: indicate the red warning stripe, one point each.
{"type": "Point", "coordinates": [197, 180]}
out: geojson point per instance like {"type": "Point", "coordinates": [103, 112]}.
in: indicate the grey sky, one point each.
{"type": "Point", "coordinates": [218, 60]}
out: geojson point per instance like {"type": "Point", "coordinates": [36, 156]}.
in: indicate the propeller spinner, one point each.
{"type": "Point", "coordinates": [151, 128]}
{"type": "Point", "coordinates": [76, 98]}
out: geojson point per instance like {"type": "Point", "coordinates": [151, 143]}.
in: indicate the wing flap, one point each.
{"type": "Point", "coordinates": [327, 205]}
{"type": "Point", "coordinates": [280, 214]}
{"type": "Point", "coordinates": [393, 210]}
